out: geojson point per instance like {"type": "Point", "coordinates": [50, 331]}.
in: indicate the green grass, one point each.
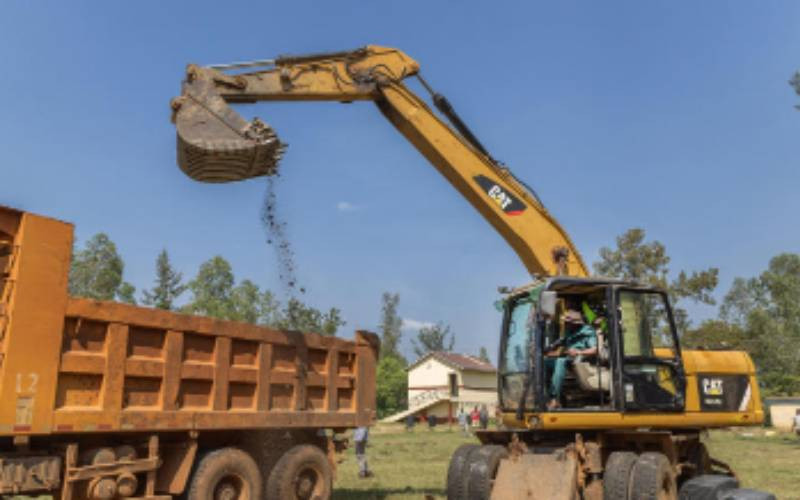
{"type": "Point", "coordinates": [411, 465]}
{"type": "Point", "coordinates": [769, 463]}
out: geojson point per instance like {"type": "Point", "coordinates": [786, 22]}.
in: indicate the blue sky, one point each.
{"type": "Point", "coordinates": [672, 116]}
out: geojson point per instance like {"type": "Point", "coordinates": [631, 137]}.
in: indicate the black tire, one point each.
{"type": "Point", "coordinates": [747, 494]}
{"type": "Point", "coordinates": [226, 474]}
{"type": "Point", "coordinates": [707, 487]}
{"type": "Point", "coordinates": [456, 472]}
{"type": "Point", "coordinates": [483, 464]}
{"type": "Point", "coordinates": [653, 478]}
{"type": "Point", "coordinates": [617, 475]}
{"type": "Point", "coordinates": [301, 473]}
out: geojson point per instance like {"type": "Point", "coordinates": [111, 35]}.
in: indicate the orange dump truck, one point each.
{"type": "Point", "coordinates": [104, 400]}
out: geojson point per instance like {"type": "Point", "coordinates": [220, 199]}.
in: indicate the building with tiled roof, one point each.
{"type": "Point", "coordinates": [440, 383]}
{"type": "Point", "coordinates": [457, 361]}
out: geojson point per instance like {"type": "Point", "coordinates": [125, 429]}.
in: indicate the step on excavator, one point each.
{"type": "Point", "coordinates": [597, 397]}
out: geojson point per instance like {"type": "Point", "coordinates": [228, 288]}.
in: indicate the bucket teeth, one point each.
{"type": "Point", "coordinates": [215, 144]}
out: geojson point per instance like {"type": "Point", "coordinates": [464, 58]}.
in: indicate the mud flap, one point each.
{"type": "Point", "coordinates": [531, 476]}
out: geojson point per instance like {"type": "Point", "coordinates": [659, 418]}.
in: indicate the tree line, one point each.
{"type": "Point", "coordinates": [97, 273]}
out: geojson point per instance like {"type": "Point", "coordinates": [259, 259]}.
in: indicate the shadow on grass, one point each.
{"type": "Point", "coordinates": [381, 493]}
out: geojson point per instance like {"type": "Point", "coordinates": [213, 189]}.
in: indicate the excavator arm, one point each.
{"type": "Point", "coordinates": [215, 144]}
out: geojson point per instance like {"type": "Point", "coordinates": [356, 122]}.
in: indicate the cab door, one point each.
{"type": "Point", "coordinates": [649, 372]}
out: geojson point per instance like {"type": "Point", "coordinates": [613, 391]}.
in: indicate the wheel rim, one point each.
{"type": "Point", "coordinates": [308, 483]}
{"type": "Point", "coordinates": [231, 487]}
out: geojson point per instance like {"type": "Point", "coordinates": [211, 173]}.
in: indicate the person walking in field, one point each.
{"type": "Point", "coordinates": [475, 417]}
{"type": "Point", "coordinates": [797, 422]}
{"type": "Point", "coordinates": [410, 422]}
{"type": "Point", "coordinates": [463, 421]}
{"type": "Point", "coordinates": [361, 436]}
{"type": "Point", "coordinates": [483, 417]}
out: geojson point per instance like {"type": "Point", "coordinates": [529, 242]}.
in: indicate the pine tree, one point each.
{"type": "Point", "coordinates": [391, 324]}
{"type": "Point", "coordinates": [167, 287]}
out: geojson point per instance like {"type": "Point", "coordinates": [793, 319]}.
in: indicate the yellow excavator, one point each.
{"type": "Point", "coordinates": [621, 419]}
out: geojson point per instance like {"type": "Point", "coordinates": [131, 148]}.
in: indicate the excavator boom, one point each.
{"type": "Point", "coordinates": [215, 144]}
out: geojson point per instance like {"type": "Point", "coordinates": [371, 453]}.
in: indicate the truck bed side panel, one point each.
{"type": "Point", "coordinates": [71, 365]}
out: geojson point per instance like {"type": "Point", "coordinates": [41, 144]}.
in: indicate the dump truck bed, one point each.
{"type": "Point", "coordinates": [74, 365]}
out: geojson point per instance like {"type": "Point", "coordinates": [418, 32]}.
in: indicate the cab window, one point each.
{"type": "Point", "coordinates": [515, 356]}
{"type": "Point", "coordinates": [645, 325]}
{"type": "Point", "coordinates": [649, 374]}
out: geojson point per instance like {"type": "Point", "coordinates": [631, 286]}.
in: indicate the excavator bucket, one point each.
{"type": "Point", "coordinates": [215, 144]}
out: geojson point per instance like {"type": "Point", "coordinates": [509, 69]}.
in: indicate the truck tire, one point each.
{"type": "Point", "coordinates": [653, 478]}
{"type": "Point", "coordinates": [617, 475]}
{"type": "Point", "coordinates": [301, 473]}
{"type": "Point", "coordinates": [483, 463]}
{"type": "Point", "coordinates": [456, 472]}
{"type": "Point", "coordinates": [707, 487]}
{"type": "Point", "coordinates": [226, 474]}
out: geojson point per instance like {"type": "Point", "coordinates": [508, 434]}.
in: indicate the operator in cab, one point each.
{"type": "Point", "coordinates": [580, 340]}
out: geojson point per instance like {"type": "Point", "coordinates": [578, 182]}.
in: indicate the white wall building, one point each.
{"type": "Point", "coordinates": [440, 383]}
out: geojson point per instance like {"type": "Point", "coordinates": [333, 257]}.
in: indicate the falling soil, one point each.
{"type": "Point", "coordinates": [275, 229]}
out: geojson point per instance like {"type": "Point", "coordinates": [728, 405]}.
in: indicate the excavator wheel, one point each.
{"type": "Point", "coordinates": [483, 464]}
{"type": "Point", "coordinates": [707, 487]}
{"type": "Point", "coordinates": [617, 475]}
{"type": "Point", "coordinates": [653, 478]}
{"type": "Point", "coordinates": [457, 472]}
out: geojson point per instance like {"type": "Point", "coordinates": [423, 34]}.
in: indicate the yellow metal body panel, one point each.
{"type": "Point", "coordinates": [695, 363]}
{"type": "Point", "coordinates": [75, 365]}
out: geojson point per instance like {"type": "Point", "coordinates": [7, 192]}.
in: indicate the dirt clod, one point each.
{"type": "Point", "coordinates": [275, 229]}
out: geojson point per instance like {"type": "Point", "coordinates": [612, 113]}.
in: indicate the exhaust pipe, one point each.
{"type": "Point", "coordinates": [215, 144]}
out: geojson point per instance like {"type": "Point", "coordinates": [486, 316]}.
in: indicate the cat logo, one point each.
{"type": "Point", "coordinates": [712, 386]}
{"type": "Point", "coordinates": [500, 195]}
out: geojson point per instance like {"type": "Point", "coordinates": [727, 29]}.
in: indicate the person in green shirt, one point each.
{"type": "Point", "coordinates": [580, 340]}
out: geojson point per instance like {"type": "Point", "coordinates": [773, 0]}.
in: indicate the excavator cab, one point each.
{"type": "Point", "coordinates": [635, 366]}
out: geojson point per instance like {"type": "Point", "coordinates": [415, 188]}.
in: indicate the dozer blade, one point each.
{"type": "Point", "coordinates": [215, 144]}
{"type": "Point", "coordinates": [549, 476]}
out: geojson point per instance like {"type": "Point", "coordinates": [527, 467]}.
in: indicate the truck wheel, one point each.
{"type": "Point", "coordinates": [302, 473]}
{"type": "Point", "coordinates": [653, 478]}
{"type": "Point", "coordinates": [617, 475]}
{"type": "Point", "coordinates": [456, 472]}
{"type": "Point", "coordinates": [483, 464]}
{"type": "Point", "coordinates": [226, 474]}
